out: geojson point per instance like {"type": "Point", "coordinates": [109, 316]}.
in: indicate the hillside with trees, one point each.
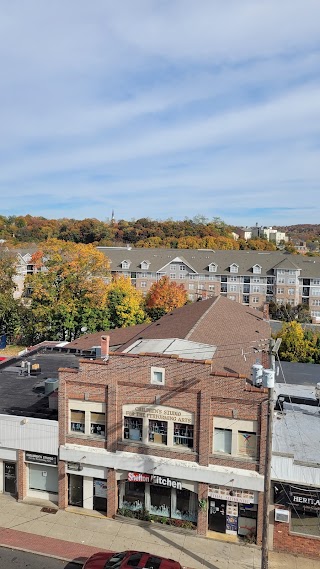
{"type": "Point", "coordinates": [303, 232]}
{"type": "Point", "coordinates": [196, 233]}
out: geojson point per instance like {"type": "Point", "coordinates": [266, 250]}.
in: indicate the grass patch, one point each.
{"type": "Point", "coordinates": [11, 350]}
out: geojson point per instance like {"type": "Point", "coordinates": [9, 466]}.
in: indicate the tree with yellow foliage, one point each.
{"type": "Point", "coordinates": [124, 303]}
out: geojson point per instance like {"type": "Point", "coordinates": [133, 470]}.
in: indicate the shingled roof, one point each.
{"type": "Point", "coordinates": [236, 330]}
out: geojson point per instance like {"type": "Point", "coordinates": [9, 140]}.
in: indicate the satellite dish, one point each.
{"type": "Point", "coordinates": [84, 329]}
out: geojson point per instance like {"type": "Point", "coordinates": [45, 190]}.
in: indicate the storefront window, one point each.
{"type": "Point", "coordinates": [305, 522]}
{"type": "Point", "coordinates": [98, 424]}
{"type": "Point", "coordinates": [160, 501]}
{"type": "Point", "coordinates": [77, 421]}
{"type": "Point", "coordinates": [158, 432]}
{"type": "Point", "coordinates": [132, 429]}
{"type": "Point", "coordinates": [247, 444]}
{"type": "Point", "coordinates": [185, 506]}
{"type": "Point", "coordinates": [43, 478]}
{"type": "Point", "coordinates": [222, 440]}
{"type": "Point", "coordinates": [183, 435]}
{"type": "Point", "coordinates": [133, 498]}
{"type": "Point", "coordinates": [247, 520]}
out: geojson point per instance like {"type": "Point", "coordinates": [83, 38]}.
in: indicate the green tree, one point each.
{"type": "Point", "coordinates": [296, 345]}
{"type": "Point", "coordinates": [9, 307]}
{"type": "Point", "coordinates": [125, 303]}
{"type": "Point", "coordinates": [69, 291]}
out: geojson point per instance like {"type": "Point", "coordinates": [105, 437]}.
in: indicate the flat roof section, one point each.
{"type": "Point", "coordinates": [24, 395]}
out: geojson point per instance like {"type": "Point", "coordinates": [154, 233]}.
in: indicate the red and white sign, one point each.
{"type": "Point", "coordinates": [138, 477]}
{"type": "Point", "coordinates": [154, 479]}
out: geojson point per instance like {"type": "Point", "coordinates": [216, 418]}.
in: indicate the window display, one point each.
{"type": "Point", "coordinates": [183, 435]}
{"type": "Point", "coordinates": [158, 432]}
{"type": "Point", "coordinates": [132, 429]}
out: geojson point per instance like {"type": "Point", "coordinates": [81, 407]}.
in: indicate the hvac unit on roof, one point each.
{"type": "Point", "coordinates": [50, 385]}
{"type": "Point", "coordinates": [282, 516]}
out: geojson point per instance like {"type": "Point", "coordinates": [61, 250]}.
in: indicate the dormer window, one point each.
{"type": "Point", "coordinates": [145, 265]}
{"type": "Point", "coordinates": [125, 264]}
{"type": "Point", "coordinates": [212, 268]}
{"type": "Point", "coordinates": [234, 268]}
{"type": "Point", "coordinates": [256, 269]}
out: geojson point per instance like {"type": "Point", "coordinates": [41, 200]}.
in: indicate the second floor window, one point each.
{"type": "Point", "coordinates": [158, 431]}
{"type": "Point", "coordinates": [77, 421]}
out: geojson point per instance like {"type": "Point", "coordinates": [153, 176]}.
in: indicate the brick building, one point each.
{"type": "Point", "coordinates": [164, 434]}
{"type": "Point", "coordinates": [182, 429]}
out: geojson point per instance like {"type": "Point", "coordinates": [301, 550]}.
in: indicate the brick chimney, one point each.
{"type": "Point", "coordinates": [266, 315]}
{"type": "Point", "coordinates": [105, 342]}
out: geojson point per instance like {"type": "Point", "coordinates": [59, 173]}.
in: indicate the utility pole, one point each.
{"type": "Point", "coordinates": [273, 350]}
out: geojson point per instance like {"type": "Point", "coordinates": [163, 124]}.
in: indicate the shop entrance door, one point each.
{"type": "Point", "coordinates": [75, 490]}
{"type": "Point", "coordinates": [10, 478]}
{"type": "Point", "coordinates": [217, 515]}
{"type": "Point", "coordinates": [99, 495]}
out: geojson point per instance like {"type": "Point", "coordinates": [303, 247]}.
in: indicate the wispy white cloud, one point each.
{"type": "Point", "coordinates": [159, 108]}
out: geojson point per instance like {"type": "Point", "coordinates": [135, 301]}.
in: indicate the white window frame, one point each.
{"type": "Point", "coordinates": [158, 370]}
{"type": "Point", "coordinates": [235, 426]}
{"type": "Point", "coordinates": [256, 269]}
{"type": "Point", "coordinates": [212, 268]}
{"type": "Point", "coordinates": [87, 407]}
{"type": "Point", "coordinates": [234, 268]}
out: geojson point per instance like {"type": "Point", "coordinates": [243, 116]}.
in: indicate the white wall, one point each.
{"type": "Point", "coordinates": [27, 433]}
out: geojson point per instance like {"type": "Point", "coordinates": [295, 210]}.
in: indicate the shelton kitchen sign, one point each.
{"type": "Point", "coordinates": [154, 479]}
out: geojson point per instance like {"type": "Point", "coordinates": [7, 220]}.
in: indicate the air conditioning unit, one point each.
{"type": "Point", "coordinates": [282, 516]}
{"type": "Point", "coordinates": [50, 385]}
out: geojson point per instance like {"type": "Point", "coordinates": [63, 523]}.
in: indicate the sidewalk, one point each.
{"type": "Point", "coordinates": [74, 536]}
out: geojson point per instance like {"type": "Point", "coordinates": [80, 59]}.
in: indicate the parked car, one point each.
{"type": "Point", "coordinates": [129, 559]}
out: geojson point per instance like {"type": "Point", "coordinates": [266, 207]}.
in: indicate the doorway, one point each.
{"type": "Point", "coordinates": [75, 490]}
{"type": "Point", "coordinates": [100, 495]}
{"type": "Point", "coordinates": [10, 478]}
{"type": "Point", "coordinates": [217, 515]}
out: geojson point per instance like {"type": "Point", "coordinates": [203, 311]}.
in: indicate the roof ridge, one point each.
{"type": "Point", "coordinates": [201, 318]}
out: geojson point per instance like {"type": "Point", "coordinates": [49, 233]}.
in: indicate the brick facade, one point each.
{"type": "Point", "coordinates": [189, 385]}
{"type": "Point", "coordinates": [285, 541]}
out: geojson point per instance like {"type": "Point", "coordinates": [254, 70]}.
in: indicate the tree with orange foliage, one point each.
{"type": "Point", "coordinates": [164, 296]}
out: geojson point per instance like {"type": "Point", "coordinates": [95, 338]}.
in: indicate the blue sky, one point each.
{"type": "Point", "coordinates": [161, 109]}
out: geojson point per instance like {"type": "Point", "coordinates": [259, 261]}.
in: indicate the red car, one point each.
{"type": "Point", "coordinates": [129, 559]}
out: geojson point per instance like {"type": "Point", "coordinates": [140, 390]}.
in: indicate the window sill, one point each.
{"type": "Point", "coordinates": [158, 446]}
{"type": "Point", "coordinates": [87, 437]}
{"type": "Point", "coordinates": [236, 458]}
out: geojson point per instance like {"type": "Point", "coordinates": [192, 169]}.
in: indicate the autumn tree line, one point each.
{"type": "Point", "coordinates": [196, 233]}
{"type": "Point", "coordinates": [72, 291]}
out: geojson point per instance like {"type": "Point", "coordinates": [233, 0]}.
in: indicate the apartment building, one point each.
{"type": "Point", "coordinates": [269, 233]}
{"type": "Point", "coordinates": [248, 277]}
